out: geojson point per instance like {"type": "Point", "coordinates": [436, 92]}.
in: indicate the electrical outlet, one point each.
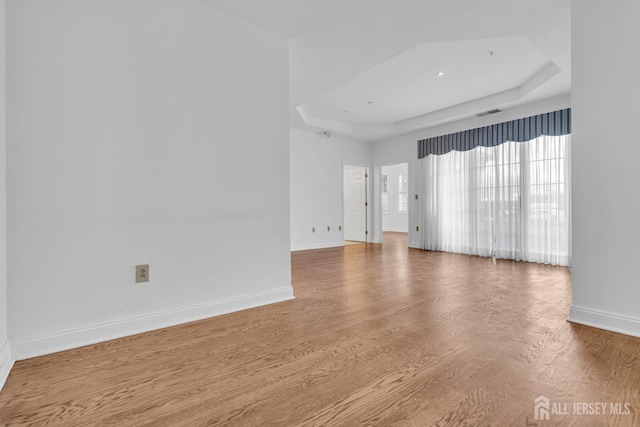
{"type": "Point", "coordinates": [142, 273]}
{"type": "Point", "coordinates": [313, 229]}
{"type": "Point", "coordinates": [328, 228]}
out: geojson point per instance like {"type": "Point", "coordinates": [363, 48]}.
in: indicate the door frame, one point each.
{"type": "Point", "coordinates": [377, 190]}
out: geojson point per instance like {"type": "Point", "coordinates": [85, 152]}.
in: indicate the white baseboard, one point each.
{"type": "Point", "coordinates": [6, 363]}
{"type": "Point", "coordinates": [396, 230]}
{"type": "Point", "coordinates": [66, 340]}
{"type": "Point", "coordinates": [605, 320]}
{"type": "Point", "coordinates": [310, 246]}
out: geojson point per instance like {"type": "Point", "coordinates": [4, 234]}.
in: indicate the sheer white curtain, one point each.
{"type": "Point", "coordinates": [509, 201]}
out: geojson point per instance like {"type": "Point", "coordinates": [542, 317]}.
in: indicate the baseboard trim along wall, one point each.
{"type": "Point", "coordinates": [605, 320]}
{"type": "Point", "coordinates": [67, 340]}
{"type": "Point", "coordinates": [6, 363]}
{"type": "Point", "coordinates": [310, 246]}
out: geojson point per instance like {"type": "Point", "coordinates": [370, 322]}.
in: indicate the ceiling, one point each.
{"type": "Point", "coordinates": [368, 69]}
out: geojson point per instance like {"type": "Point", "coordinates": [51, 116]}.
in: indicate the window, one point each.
{"type": "Point", "coordinates": [402, 192]}
{"type": "Point", "coordinates": [384, 184]}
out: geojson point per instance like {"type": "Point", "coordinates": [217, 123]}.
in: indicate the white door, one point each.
{"type": "Point", "coordinates": [355, 199]}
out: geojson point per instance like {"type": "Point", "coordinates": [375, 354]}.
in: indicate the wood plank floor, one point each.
{"type": "Point", "coordinates": [378, 335]}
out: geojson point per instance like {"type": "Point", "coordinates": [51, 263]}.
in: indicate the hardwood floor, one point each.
{"type": "Point", "coordinates": [378, 335]}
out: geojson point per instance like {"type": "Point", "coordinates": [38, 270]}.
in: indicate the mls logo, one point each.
{"type": "Point", "coordinates": [541, 408]}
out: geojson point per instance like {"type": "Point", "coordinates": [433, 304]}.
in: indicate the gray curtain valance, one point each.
{"type": "Point", "coordinates": [553, 124]}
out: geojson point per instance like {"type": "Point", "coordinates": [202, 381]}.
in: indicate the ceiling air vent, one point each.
{"type": "Point", "coordinates": [486, 113]}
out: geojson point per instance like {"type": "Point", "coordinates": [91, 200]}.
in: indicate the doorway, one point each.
{"type": "Point", "coordinates": [394, 199]}
{"type": "Point", "coordinates": [355, 204]}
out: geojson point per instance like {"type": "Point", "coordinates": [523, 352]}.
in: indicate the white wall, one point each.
{"type": "Point", "coordinates": [5, 352]}
{"type": "Point", "coordinates": [317, 186]}
{"type": "Point", "coordinates": [148, 131]}
{"type": "Point", "coordinates": [404, 148]}
{"type": "Point", "coordinates": [393, 220]}
{"type": "Point", "coordinates": [606, 202]}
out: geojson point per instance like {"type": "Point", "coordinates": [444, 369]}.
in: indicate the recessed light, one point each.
{"type": "Point", "coordinates": [369, 102]}
{"type": "Point", "coordinates": [440, 73]}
